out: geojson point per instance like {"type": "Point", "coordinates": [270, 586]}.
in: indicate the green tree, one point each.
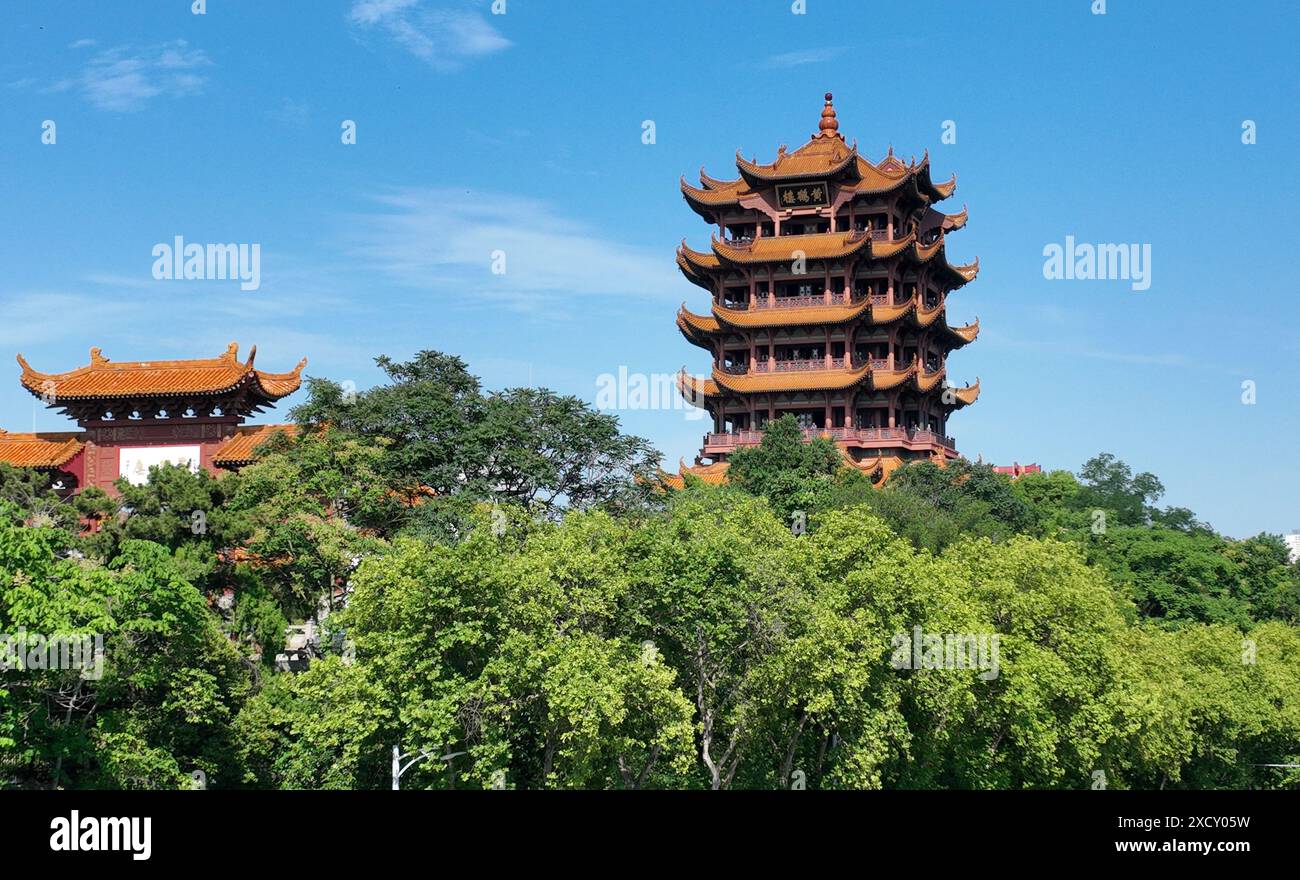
{"type": "Point", "coordinates": [720, 586]}
{"type": "Point", "coordinates": [182, 510]}
{"type": "Point", "coordinates": [451, 445]}
{"type": "Point", "coordinates": [504, 648]}
{"type": "Point", "coordinates": [791, 474]}
{"type": "Point", "coordinates": [423, 417]}
{"type": "Point", "coordinates": [1171, 575]}
{"type": "Point", "coordinates": [32, 492]}
{"type": "Point", "coordinates": [320, 729]}
{"type": "Point", "coordinates": [552, 451]}
{"type": "Point", "coordinates": [1109, 484]}
{"type": "Point", "coordinates": [170, 681]}
{"type": "Point", "coordinates": [313, 505]}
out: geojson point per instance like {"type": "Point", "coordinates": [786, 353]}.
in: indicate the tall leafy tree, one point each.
{"type": "Point", "coordinates": [553, 451]}
{"type": "Point", "coordinates": [424, 416]}
{"type": "Point", "coordinates": [1109, 484]}
{"type": "Point", "coordinates": [792, 474]}
{"type": "Point", "coordinates": [450, 444]}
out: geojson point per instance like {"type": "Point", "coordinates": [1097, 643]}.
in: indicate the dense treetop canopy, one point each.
{"type": "Point", "coordinates": [502, 584]}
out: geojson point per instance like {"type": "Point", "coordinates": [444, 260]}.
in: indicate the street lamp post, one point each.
{"type": "Point", "coordinates": [399, 768]}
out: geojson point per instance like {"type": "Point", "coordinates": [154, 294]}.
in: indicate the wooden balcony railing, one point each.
{"type": "Point", "coordinates": [806, 365]}
{"type": "Point", "coordinates": [800, 366]}
{"type": "Point", "coordinates": [910, 436]}
{"type": "Point", "coordinates": [800, 302]}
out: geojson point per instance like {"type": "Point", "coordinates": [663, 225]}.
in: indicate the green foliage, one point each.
{"type": "Point", "coordinates": [31, 492]}
{"type": "Point", "coordinates": [425, 415]}
{"type": "Point", "coordinates": [170, 682]}
{"type": "Point", "coordinates": [313, 507]}
{"type": "Point", "coordinates": [318, 729]}
{"type": "Point", "coordinates": [552, 451]}
{"type": "Point", "coordinates": [1054, 497]}
{"type": "Point", "coordinates": [504, 648]}
{"type": "Point", "coordinates": [934, 506]}
{"type": "Point", "coordinates": [791, 474]}
{"type": "Point", "coordinates": [184, 511]}
{"type": "Point", "coordinates": [442, 434]}
{"type": "Point", "coordinates": [1178, 577]}
{"type": "Point", "coordinates": [709, 647]}
{"type": "Point", "coordinates": [521, 609]}
{"type": "Point", "coordinates": [1203, 707]}
{"type": "Point", "coordinates": [1109, 484]}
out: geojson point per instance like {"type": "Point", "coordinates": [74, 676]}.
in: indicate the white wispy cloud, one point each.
{"type": "Point", "coordinates": [1059, 346]}
{"type": "Point", "coordinates": [27, 315]}
{"type": "Point", "coordinates": [126, 79]}
{"type": "Point", "coordinates": [446, 38]}
{"type": "Point", "coordinates": [808, 56]}
{"type": "Point", "coordinates": [443, 240]}
{"type": "Point", "coordinates": [292, 113]}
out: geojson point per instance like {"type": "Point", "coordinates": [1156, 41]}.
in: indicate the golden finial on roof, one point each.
{"type": "Point", "coordinates": [829, 125]}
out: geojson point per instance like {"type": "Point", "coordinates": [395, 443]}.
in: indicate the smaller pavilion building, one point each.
{"type": "Point", "coordinates": [137, 414]}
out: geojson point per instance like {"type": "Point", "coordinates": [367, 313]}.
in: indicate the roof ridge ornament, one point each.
{"type": "Point", "coordinates": [829, 125]}
{"type": "Point", "coordinates": [97, 356]}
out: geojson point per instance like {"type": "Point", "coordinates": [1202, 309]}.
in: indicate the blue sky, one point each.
{"type": "Point", "coordinates": [522, 133]}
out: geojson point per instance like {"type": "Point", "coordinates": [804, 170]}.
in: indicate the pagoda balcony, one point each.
{"type": "Point", "coordinates": [804, 302]}
{"type": "Point", "coordinates": [807, 365]}
{"type": "Point", "coordinates": [907, 438]}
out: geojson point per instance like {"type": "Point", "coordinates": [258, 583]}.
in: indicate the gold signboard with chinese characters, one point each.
{"type": "Point", "coordinates": [803, 195]}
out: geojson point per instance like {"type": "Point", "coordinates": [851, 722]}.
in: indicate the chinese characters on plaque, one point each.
{"type": "Point", "coordinates": [803, 195]}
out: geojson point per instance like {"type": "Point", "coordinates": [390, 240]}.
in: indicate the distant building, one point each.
{"type": "Point", "coordinates": [137, 414]}
{"type": "Point", "coordinates": [1016, 470]}
{"type": "Point", "coordinates": [1293, 545]}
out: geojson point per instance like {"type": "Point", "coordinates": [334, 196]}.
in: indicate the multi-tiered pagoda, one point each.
{"type": "Point", "coordinates": [828, 285]}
